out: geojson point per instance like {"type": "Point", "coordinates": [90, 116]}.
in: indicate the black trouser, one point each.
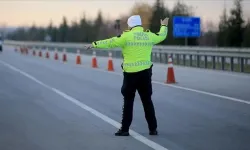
{"type": "Point", "coordinates": [140, 81]}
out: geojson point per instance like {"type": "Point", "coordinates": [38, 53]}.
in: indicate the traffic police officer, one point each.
{"type": "Point", "coordinates": [136, 47]}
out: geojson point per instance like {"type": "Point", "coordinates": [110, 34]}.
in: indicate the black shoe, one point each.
{"type": "Point", "coordinates": [121, 133]}
{"type": "Point", "coordinates": [153, 132]}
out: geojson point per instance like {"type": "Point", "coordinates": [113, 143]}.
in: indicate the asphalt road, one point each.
{"type": "Point", "coordinates": [34, 115]}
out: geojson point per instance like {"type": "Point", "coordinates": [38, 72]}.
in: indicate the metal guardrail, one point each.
{"type": "Point", "coordinates": [231, 59]}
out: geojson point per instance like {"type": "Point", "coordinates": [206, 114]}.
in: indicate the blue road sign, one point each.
{"type": "Point", "coordinates": [184, 27]}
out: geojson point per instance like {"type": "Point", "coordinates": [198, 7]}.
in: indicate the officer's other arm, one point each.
{"type": "Point", "coordinates": [113, 42]}
{"type": "Point", "coordinates": [161, 35]}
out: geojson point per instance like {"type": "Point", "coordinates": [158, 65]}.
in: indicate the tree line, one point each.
{"type": "Point", "coordinates": [233, 30]}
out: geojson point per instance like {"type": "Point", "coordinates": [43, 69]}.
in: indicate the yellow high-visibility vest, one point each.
{"type": "Point", "coordinates": [136, 45]}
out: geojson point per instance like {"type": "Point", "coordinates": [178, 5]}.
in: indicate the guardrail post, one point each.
{"type": "Point", "coordinates": [116, 55]}
{"type": "Point", "coordinates": [232, 64]}
{"type": "Point", "coordinates": [241, 64]}
{"type": "Point", "coordinates": [166, 58]}
{"type": "Point", "coordinates": [178, 59]}
{"type": "Point", "coordinates": [184, 59]}
{"type": "Point", "coordinates": [222, 63]}
{"type": "Point", "coordinates": [153, 56]}
{"type": "Point", "coordinates": [120, 54]}
{"type": "Point", "coordinates": [156, 57]}
{"type": "Point", "coordinates": [172, 56]}
{"type": "Point", "coordinates": [160, 55]}
{"type": "Point", "coordinates": [191, 60]}
{"type": "Point", "coordinates": [198, 61]}
{"type": "Point", "coordinates": [213, 62]}
{"type": "Point", "coordinates": [205, 65]}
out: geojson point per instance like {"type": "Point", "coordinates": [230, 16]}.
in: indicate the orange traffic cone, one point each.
{"type": "Point", "coordinates": [64, 55]}
{"type": "Point", "coordinates": [40, 53]}
{"type": "Point", "coordinates": [110, 63]}
{"type": "Point", "coordinates": [94, 60]}
{"type": "Point", "coordinates": [56, 55]}
{"type": "Point", "coordinates": [47, 53]}
{"type": "Point", "coordinates": [170, 73]}
{"type": "Point", "coordinates": [78, 57]}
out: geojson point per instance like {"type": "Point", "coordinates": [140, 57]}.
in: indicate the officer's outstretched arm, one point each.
{"type": "Point", "coordinates": [161, 35]}
{"type": "Point", "coordinates": [113, 42]}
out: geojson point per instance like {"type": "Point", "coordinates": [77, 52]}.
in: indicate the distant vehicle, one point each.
{"type": "Point", "coordinates": [1, 43]}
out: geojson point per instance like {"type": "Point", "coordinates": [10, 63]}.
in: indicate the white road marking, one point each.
{"type": "Point", "coordinates": [114, 123]}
